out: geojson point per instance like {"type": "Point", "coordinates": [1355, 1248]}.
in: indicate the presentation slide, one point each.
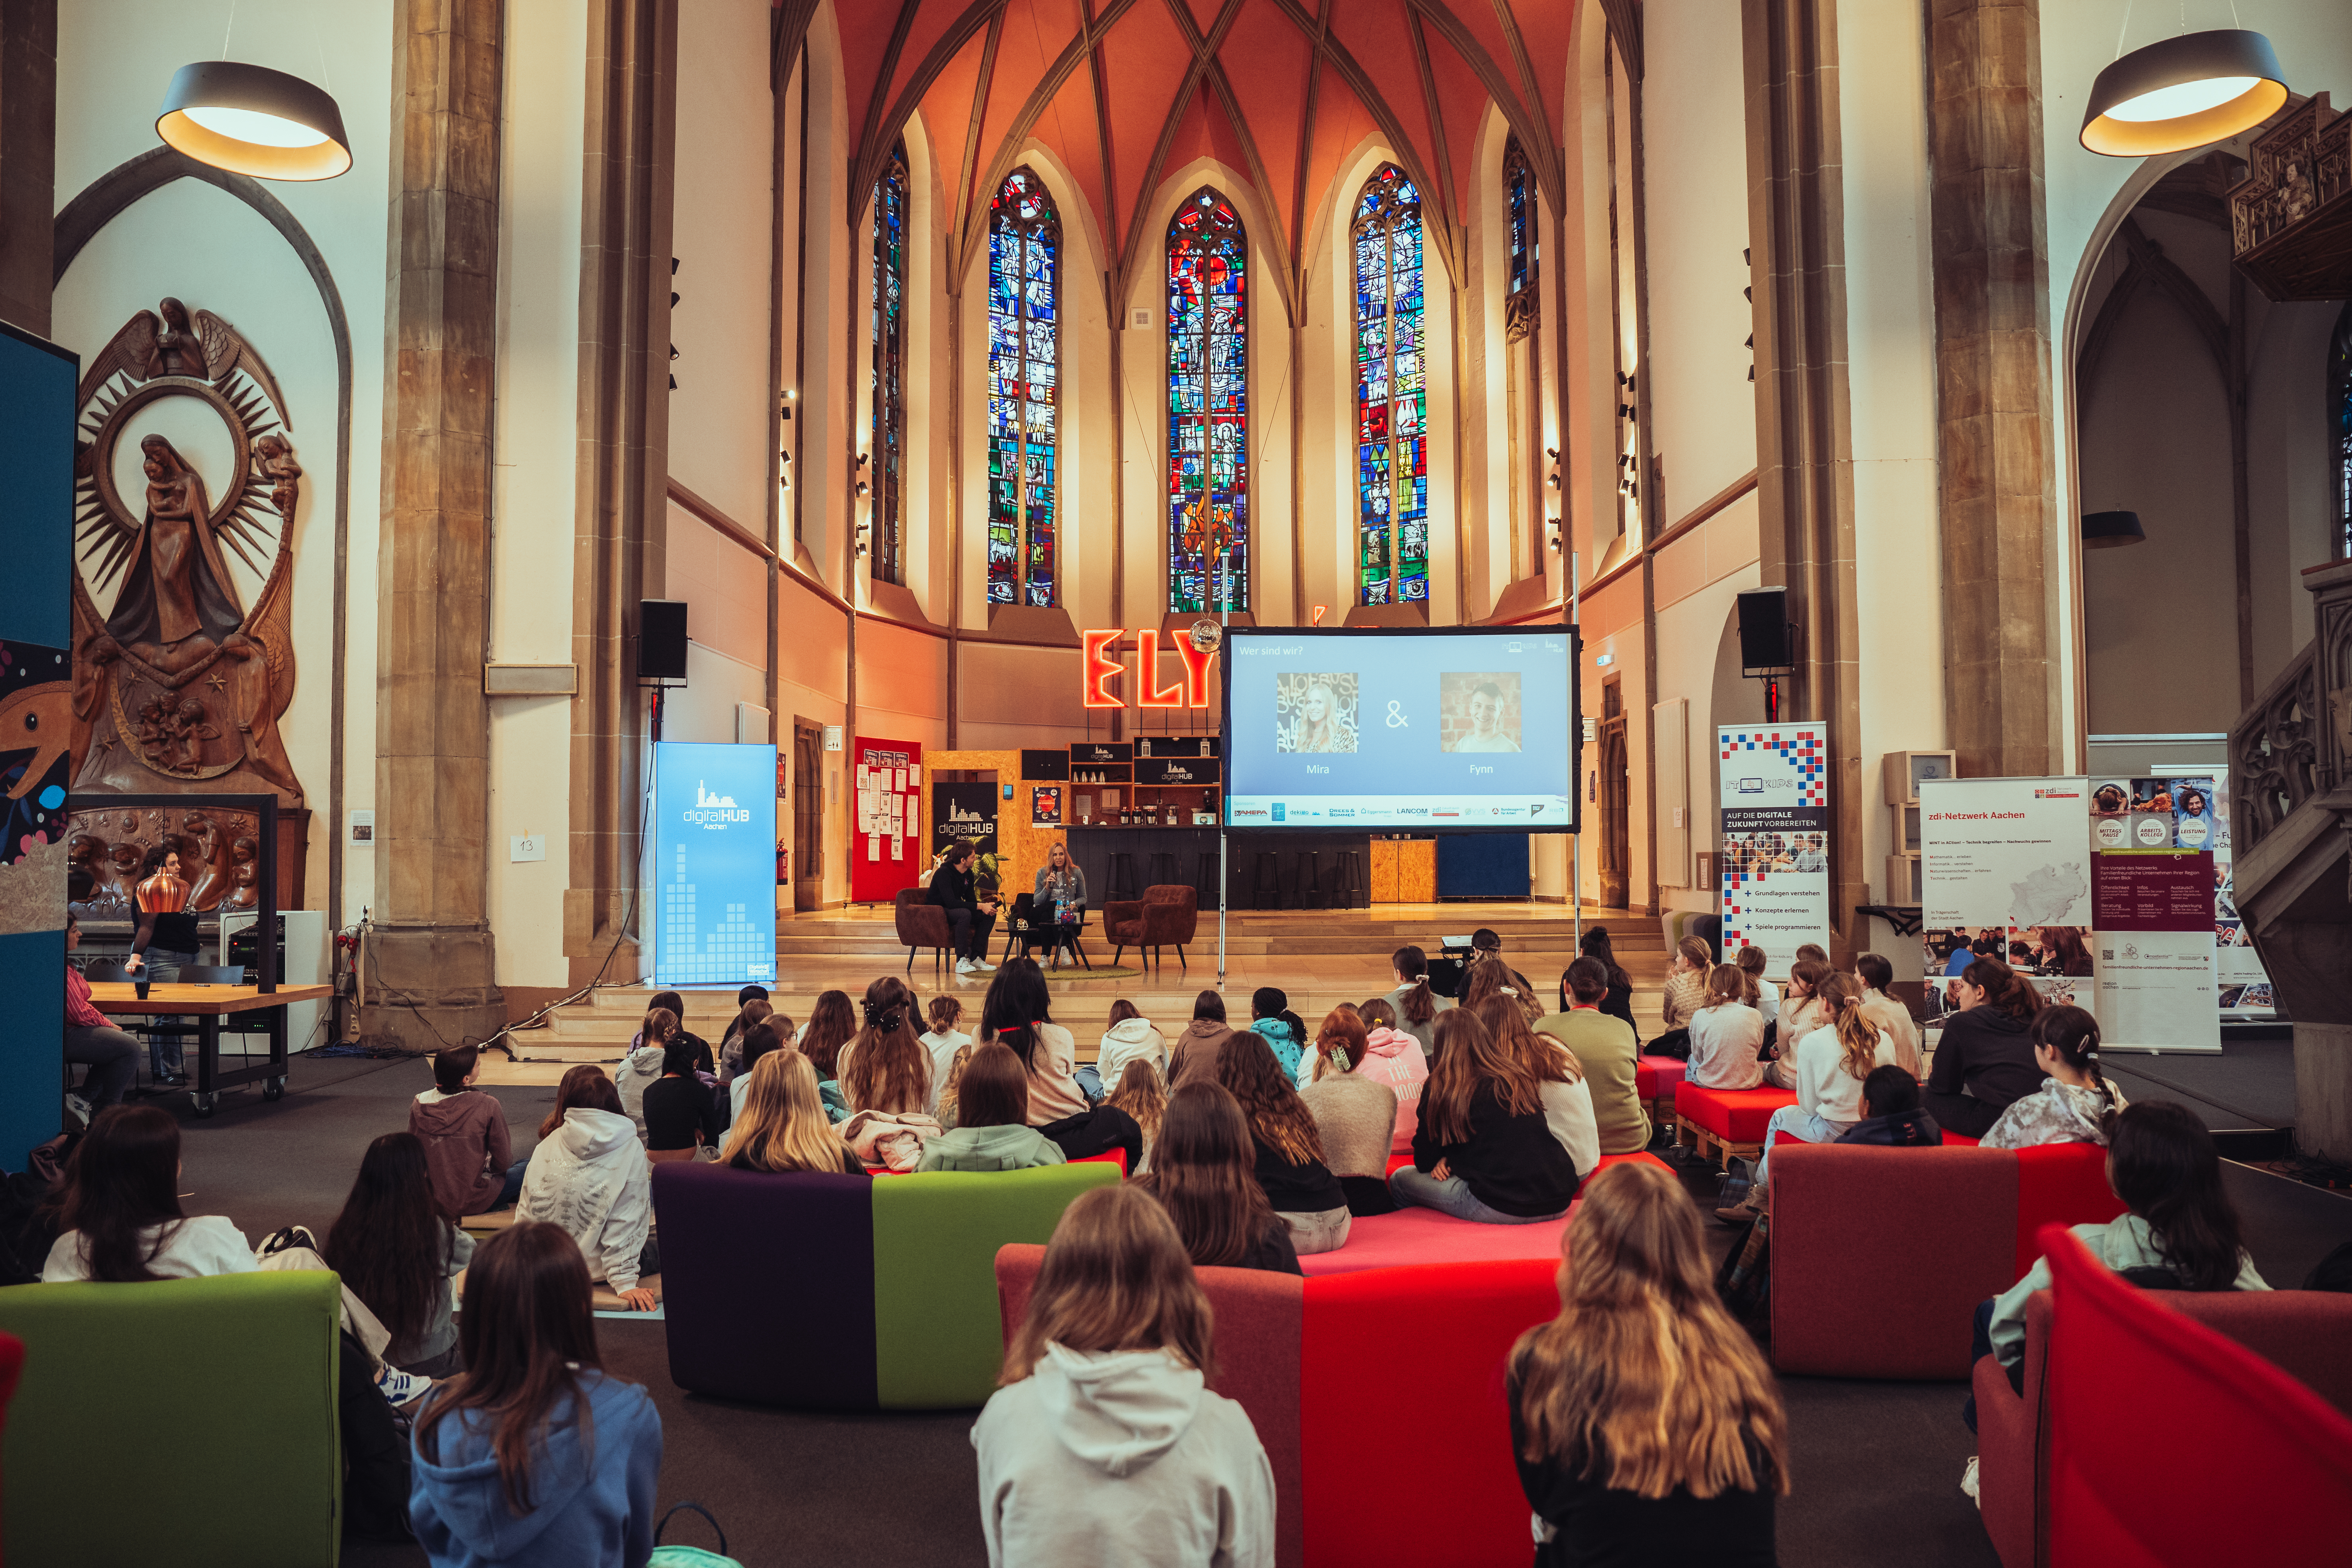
{"type": "Point", "coordinates": [1385, 728]}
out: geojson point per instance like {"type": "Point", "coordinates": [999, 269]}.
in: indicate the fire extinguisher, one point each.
{"type": "Point", "coordinates": [783, 864]}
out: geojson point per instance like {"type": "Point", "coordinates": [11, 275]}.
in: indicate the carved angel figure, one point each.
{"type": "Point", "coordinates": [189, 732]}
{"type": "Point", "coordinates": [274, 456]}
{"type": "Point", "coordinates": [181, 341]}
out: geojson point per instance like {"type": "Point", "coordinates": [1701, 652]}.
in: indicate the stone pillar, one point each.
{"type": "Point", "coordinates": [432, 969]}
{"type": "Point", "coordinates": [28, 134]}
{"type": "Point", "coordinates": [623, 481]}
{"type": "Point", "coordinates": [1804, 435]}
{"type": "Point", "coordinates": [1994, 415]}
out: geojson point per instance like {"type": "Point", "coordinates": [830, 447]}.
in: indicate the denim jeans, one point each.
{"type": "Point", "coordinates": [1452, 1195]}
{"type": "Point", "coordinates": [1797, 1123]}
{"type": "Point", "coordinates": [163, 1050]}
{"type": "Point", "coordinates": [512, 1191]}
{"type": "Point", "coordinates": [1325, 1231]}
{"type": "Point", "coordinates": [1090, 1082]}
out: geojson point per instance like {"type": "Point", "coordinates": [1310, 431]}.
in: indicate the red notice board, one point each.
{"type": "Point", "coordinates": [886, 837]}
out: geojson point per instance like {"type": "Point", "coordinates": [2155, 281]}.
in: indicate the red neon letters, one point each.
{"type": "Point", "coordinates": [1101, 662]}
{"type": "Point", "coordinates": [1096, 669]}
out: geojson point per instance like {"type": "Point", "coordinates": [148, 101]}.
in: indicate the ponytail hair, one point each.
{"type": "Point", "coordinates": [1701, 956]}
{"type": "Point", "coordinates": [1857, 1036]}
{"type": "Point", "coordinates": [2005, 988]}
{"type": "Point", "coordinates": [1729, 984]}
{"type": "Point", "coordinates": [2074, 1035]}
{"type": "Point", "coordinates": [1420, 1004]}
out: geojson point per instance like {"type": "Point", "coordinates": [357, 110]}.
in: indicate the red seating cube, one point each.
{"type": "Point", "coordinates": [1727, 1120]}
{"type": "Point", "coordinates": [1655, 1078]}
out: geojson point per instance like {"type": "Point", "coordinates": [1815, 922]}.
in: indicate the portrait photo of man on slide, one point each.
{"type": "Point", "coordinates": [1478, 711]}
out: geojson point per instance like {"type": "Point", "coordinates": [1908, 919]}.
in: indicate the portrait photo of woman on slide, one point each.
{"type": "Point", "coordinates": [1315, 712]}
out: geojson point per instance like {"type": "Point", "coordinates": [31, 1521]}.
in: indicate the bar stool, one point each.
{"type": "Point", "coordinates": [1163, 868]}
{"type": "Point", "coordinates": [1266, 881]}
{"type": "Point", "coordinates": [1347, 879]}
{"type": "Point", "coordinates": [1119, 883]}
{"type": "Point", "coordinates": [1206, 880]}
{"type": "Point", "coordinates": [1307, 878]}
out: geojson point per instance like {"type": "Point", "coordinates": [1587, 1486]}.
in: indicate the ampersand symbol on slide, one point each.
{"type": "Point", "coordinates": [1396, 718]}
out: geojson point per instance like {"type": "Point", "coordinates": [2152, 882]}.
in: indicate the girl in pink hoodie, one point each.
{"type": "Point", "coordinates": [1387, 1059]}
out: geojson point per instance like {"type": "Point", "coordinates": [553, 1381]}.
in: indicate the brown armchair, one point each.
{"type": "Point", "coordinates": [922, 925]}
{"type": "Point", "coordinates": [1166, 915]}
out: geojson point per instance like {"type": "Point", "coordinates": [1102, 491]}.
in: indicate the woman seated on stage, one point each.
{"type": "Point", "coordinates": [1058, 906]}
{"type": "Point", "coordinates": [1203, 1174]}
{"type": "Point", "coordinates": [1289, 1163]}
{"type": "Point", "coordinates": [1484, 1151]}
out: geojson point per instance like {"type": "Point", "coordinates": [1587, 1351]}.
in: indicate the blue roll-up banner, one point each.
{"type": "Point", "coordinates": [714, 871]}
{"type": "Point", "coordinates": [36, 452]}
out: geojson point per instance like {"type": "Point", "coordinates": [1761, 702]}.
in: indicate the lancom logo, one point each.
{"type": "Point", "coordinates": [713, 811]}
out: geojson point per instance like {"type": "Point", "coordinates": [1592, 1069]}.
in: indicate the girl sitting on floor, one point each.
{"type": "Point", "coordinates": [1355, 1113]}
{"type": "Point", "coordinates": [1389, 1061]}
{"type": "Point", "coordinates": [1801, 1012]}
{"type": "Point", "coordinates": [832, 1023]}
{"type": "Point", "coordinates": [757, 1042]}
{"type": "Point", "coordinates": [758, 1010]}
{"type": "Point", "coordinates": [1289, 1161]}
{"type": "Point", "coordinates": [533, 1456]}
{"type": "Point", "coordinates": [589, 1175]}
{"type": "Point", "coordinates": [1142, 1094]}
{"type": "Point", "coordinates": [1830, 1064]}
{"type": "Point", "coordinates": [1567, 1097]}
{"type": "Point", "coordinates": [2075, 1104]}
{"type": "Point", "coordinates": [397, 1254]}
{"type": "Point", "coordinates": [783, 1125]}
{"type": "Point", "coordinates": [1726, 1033]}
{"type": "Point", "coordinates": [1104, 1444]}
{"type": "Point", "coordinates": [943, 1040]}
{"type": "Point", "coordinates": [991, 1131]}
{"type": "Point", "coordinates": [1203, 1174]}
{"type": "Point", "coordinates": [886, 1067]}
{"type": "Point", "coordinates": [1646, 1425]}
{"type": "Point", "coordinates": [120, 1212]}
{"type": "Point", "coordinates": [1483, 1151]}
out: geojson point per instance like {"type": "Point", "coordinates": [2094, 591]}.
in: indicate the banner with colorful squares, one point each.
{"type": "Point", "coordinates": [1774, 789]}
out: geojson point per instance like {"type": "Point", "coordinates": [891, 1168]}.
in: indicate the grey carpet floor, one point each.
{"type": "Point", "coordinates": [1876, 1466]}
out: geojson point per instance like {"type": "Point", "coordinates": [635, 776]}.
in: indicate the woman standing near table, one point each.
{"type": "Point", "coordinates": [164, 943]}
{"type": "Point", "coordinates": [1060, 886]}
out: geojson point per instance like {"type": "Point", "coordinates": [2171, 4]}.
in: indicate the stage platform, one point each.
{"type": "Point", "coordinates": [1319, 957]}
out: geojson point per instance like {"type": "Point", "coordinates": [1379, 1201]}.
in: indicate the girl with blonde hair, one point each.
{"type": "Point", "coordinates": [1567, 1097]}
{"type": "Point", "coordinates": [1830, 1064]}
{"type": "Point", "coordinates": [782, 1124]}
{"type": "Point", "coordinates": [1645, 1424]}
{"type": "Point", "coordinates": [1483, 1151]}
{"type": "Point", "coordinates": [886, 1068]}
{"type": "Point", "coordinates": [1104, 1444]}
{"type": "Point", "coordinates": [1142, 1094]}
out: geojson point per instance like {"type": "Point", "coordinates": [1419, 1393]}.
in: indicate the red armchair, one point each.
{"type": "Point", "coordinates": [1166, 915]}
{"type": "Point", "coordinates": [922, 925]}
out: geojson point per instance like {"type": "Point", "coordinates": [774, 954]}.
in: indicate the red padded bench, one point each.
{"type": "Point", "coordinates": [1399, 1161]}
{"type": "Point", "coordinates": [1880, 1256]}
{"type": "Point", "coordinates": [1655, 1079]}
{"type": "Point", "coordinates": [1726, 1122]}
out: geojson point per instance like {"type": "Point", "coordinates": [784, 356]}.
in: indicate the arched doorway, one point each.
{"type": "Point", "coordinates": [1616, 833]}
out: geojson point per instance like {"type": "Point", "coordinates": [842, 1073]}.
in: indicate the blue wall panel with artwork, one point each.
{"type": "Point", "coordinates": [714, 869]}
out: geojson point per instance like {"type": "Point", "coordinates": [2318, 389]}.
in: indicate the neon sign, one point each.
{"type": "Point", "coordinates": [1100, 663]}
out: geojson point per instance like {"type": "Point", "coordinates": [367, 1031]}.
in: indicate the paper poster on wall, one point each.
{"type": "Point", "coordinates": [1045, 805]}
{"type": "Point", "coordinates": [886, 816]}
{"type": "Point", "coordinates": [2153, 930]}
{"type": "Point", "coordinates": [2005, 874]}
{"type": "Point", "coordinates": [1776, 820]}
{"type": "Point", "coordinates": [2199, 811]}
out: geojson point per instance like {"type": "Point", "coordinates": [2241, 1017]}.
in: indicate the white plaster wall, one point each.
{"type": "Point", "coordinates": [721, 233]}
{"type": "Point", "coordinates": [114, 58]}
{"type": "Point", "coordinates": [1702, 404]}
{"type": "Point", "coordinates": [533, 488]}
{"type": "Point", "coordinates": [704, 707]}
{"type": "Point", "coordinates": [1689, 632]}
{"type": "Point", "coordinates": [824, 412]}
{"type": "Point", "coordinates": [1891, 377]}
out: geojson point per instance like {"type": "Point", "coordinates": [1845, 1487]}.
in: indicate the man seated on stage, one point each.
{"type": "Point", "coordinates": [954, 889]}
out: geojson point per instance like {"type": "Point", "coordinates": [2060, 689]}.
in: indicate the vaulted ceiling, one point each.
{"type": "Point", "coordinates": [1125, 91]}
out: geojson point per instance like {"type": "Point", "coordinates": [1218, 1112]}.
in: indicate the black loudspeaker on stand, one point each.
{"type": "Point", "coordinates": [661, 649]}
{"type": "Point", "coordinates": [1768, 642]}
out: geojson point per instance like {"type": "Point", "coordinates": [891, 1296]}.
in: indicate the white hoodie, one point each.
{"type": "Point", "coordinates": [639, 1069]}
{"type": "Point", "coordinates": [1125, 1041]}
{"type": "Point", "coordinates": [591, 1176]}
{"type": "Point", "coordinates": [1121, 1456]}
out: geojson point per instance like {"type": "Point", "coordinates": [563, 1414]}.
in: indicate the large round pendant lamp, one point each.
{"type": "Point", "coordinates": [2183, 92]}
{"type": "Point", "coordinates": [253, 120]}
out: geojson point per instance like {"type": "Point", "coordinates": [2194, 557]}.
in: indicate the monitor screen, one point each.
{"type": "Point", "coordinates": [1386, 729]}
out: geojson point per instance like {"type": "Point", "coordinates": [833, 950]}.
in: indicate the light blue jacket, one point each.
{"type": "Point", "coordinates": [591, 1503]}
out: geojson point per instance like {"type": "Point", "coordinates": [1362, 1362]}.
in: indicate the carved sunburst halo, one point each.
{"type": "Point", "coordinates": [106, 525]}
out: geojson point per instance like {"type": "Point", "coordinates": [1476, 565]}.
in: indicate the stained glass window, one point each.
{"type": "Point", "coordinates": [889, 456]}
{"type": "Point", "coordinates": [1024, 242]}
{"type": "Point", "coordinates": [1392, 395]}
{"type": "Point", "coordinates": [1519, 306]}
{"type": "Point", "coordinates": [1208, 407]}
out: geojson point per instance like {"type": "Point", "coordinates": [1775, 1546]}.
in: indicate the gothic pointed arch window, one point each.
{"type": "Point", "coordinates": [1392, 395]}
{"type": "Point", "coordinates": [1025, 251]}
{"type": "Point", "coordinates": [890, 452]}
{"type": "Point", "coordinates": [2339, 429]}
{"type": "Point", "coordinates": [1208, 406]}
{"type": "Point", "coordinates": [1520, 308]}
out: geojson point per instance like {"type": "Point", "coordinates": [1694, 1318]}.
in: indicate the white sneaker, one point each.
{"type": "Point", "coordinates": [963, 966]}
{"type": "Point", "coordinates": [1968, 1481]}
{"type": "Point", "coordinates": [983, 966]}
{"type": "Point", "coordinates": [399, 1386]}
{"type": "Point", "coordinates": [78, 1108]}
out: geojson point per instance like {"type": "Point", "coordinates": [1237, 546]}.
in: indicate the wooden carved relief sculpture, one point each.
{"type": "Point", "coordinates": [183, 653]}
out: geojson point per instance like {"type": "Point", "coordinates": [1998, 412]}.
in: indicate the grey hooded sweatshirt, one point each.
{"type": "Point", "coordinates": [1121, 1456]}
